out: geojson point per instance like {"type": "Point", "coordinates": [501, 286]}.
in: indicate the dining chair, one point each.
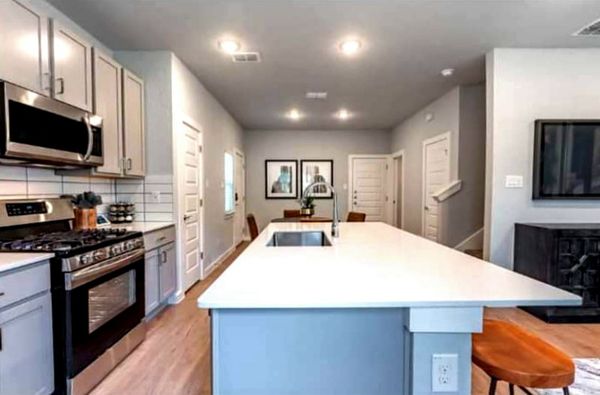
{"type": "Point", "coordinates": [291, 213]}
{"type": "Point", "coordinates": [252, 226]}
{"type": "Point", "coordinates": [354, 216]}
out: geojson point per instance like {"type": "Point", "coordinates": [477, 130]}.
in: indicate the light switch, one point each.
{"type": "Point", "coordinates": [156, 197]}
{"type": "Point", "coordinates": [514, 181]}
{"type": "Point", "coordinates": [345, 187]}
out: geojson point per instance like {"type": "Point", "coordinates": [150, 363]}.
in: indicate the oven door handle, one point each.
{"type": "Point", "coordinates": [84, 276]}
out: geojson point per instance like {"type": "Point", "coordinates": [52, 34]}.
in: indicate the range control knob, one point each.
{"type": "Point", "coordinates": [130, 245]}
{"type": "Point", "coordinates": [115, 250]}
{"type": "Point", "coordinates": [86, 259]}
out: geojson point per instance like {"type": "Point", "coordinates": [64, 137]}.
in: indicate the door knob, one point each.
{"type": "Point", "coordinates": [186, 217]}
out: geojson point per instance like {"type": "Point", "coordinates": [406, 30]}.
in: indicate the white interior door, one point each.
{"type": "Point", "coordinates": [436, 174]}
{"type": "Point", "coordinates": [191, 188]}
{"type": "Point", "coordinates": [240, 198]}
{"type": "Point", "coordinates": [369, 187]}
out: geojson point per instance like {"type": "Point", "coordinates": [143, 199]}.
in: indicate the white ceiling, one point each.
{"type": "Point", "coordinates": [406, 44]}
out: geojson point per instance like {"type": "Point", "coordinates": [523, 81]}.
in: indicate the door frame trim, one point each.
{"type": "Point", "coordinates": [179, 120]}
{"type": "Point", "coordinates": [398, 154]}
{"type": "Point", "coordinates": [238, 151]}
{"type": "Point", "coordinates": [442, 136]}
{"type": "Point", "coordinates": [388, 158]}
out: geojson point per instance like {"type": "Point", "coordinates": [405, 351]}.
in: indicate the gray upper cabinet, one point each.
{"type": "Point", "coordinates": [133, 124]}
{"type": "Point", "coordinates": [71, 59]}
{"type": "Point", "coordinates": [24, 42]}
{"type": "Point", "coordinates": [107, 104]}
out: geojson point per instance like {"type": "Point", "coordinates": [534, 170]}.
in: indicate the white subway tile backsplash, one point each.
{"type": "Point", "coordinates": [34, 174]}
{"type": "Point", "coordinates": [163, 198]}
{"type": "Point", "coordinates": [140, 193]}
{"type": "Point", "coordinates": [158, 207]}
{"type": "Point", "coordinates": [12, 173]}
{"type": "Point", "coordinates": [102, 188]}
{"type": "Point", "coordinates": [163, 188]}
{"type": "Point", "coordinates": [13, 188]}
{"type": "Point", "coordinates": [20, 183]}
{"type": "Point", "coordinates": [130, 188]}
{"type": "Point", "coordinates": [43, 188]}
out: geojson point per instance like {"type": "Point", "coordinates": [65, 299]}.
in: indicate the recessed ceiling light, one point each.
{"type": "Point", "coordinates": [294, 114]}
{"type": "Point", "coordinates": [350, 47]}
{"type": "Point", "coordinates": [447, 72]}
{"type": "Point", "coordinates": [343, 114]}
{"type": "Point", "coordinates": [229, 46]}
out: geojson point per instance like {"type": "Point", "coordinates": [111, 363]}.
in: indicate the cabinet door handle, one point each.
{"type": "Point", "coordinates": [164, 256]}
{"type": "Point", "coordinates": [0, 339]}
{"type": "Point", "coordinates": [1, 293]}
{"type": "Point", "coordinates": [129, 164]}
{"type": "Point", "coordinates": [61, 83]}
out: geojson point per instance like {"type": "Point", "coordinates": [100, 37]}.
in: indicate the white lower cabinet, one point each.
{"type": "Point", "coordinates": [26, 354]}
{"type": "Point", "coordinates": [161, 276]}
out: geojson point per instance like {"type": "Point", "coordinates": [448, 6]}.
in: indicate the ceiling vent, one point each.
{"type": "Point", "coordinates": [316, 95]}
{"type": "Point", "coordinates": [246, 57]}
{"type": "Point", "coordinates": [593, 29]}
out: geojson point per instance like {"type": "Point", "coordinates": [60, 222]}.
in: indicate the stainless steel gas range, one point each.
{"type": "Point", "coordinates": [97, 288]}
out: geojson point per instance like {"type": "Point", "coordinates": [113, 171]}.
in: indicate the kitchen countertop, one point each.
{"type": "Point", "coordinates": [144, 227]}
{"type": "Point", "coordinates": [370, 265]}
{"type": "Point", "coordinates": [15, 260]}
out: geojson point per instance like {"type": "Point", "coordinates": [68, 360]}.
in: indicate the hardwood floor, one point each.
{"type": "Point", "coordinates": [175, 358]}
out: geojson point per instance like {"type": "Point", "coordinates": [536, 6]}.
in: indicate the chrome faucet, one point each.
{"type": "Point", "coordinates": [335, 223]}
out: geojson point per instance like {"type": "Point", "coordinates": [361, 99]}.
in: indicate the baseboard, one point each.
{"type": "Point", "coordinates": [473, 242]}
{"type": "Point", "coordinates": [217, 261]}
{"type": "Point", "coordinates": [176, 298]}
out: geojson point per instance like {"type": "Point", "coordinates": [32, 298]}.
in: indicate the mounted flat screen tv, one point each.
{"type": "Point", "coordinates": [567, 159]}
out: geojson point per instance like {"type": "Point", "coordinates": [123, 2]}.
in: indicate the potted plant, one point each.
{"type": "Point", "coordinates": [85, 209]}
{"type": "Point", "coordinates": [307, 206]}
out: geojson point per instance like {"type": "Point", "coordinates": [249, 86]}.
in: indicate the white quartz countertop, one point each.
{"type": "Point", "coordinates": [15, 260]}
{"type": "Point", "coordinates": [370, 265]}
{"type": "Point", "coordinates": [144, 227]}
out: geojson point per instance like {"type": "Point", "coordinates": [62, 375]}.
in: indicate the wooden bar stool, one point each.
{"type": "Point", "coordinates": [507, 352]}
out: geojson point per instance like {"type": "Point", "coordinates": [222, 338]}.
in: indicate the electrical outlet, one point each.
{"type": "Point", "coordinates": [444, 373]}
{"type": "Point", "coordinates": [156, 197]}
{"type": "Point", "coordinates": [514, 181]}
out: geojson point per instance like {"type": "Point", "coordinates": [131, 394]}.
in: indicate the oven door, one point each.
{"type": "Point", "coordinates": [103, 303]}
{"type": "Point", "coordinates": [41, 130]}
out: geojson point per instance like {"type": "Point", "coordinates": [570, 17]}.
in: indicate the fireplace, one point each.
{"type": "Point", "coordinates": [566, 256]}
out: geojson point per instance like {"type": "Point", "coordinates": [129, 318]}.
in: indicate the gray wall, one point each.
{"type": "Point", "coordinates": [461, 112]}
{"type": "Point", "coordinates": [173, 92]}
{"type": "Point", "coordinates": [409, 136]}
{"type": "Point", "coordinates": [304, 144]}
{"type": "Point", "coordinates": [467, 212]}
{"type": "Point", "coordinates": [220, 133]}
{"type": "Point", "coordinates": [524, 85]}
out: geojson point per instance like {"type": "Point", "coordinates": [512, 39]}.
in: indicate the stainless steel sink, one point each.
{"type": "Point", "coordinates": [299, 239]}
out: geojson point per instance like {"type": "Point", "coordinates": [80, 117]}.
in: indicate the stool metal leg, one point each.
{"type": "Point", "coordinates": [493, 386]}
{"type": "Point", "coordinates": [566, 390]}
{"type": "Point", "coordinates": [526, 390]}
{"type": "Point", "coordinates": [511, 389]}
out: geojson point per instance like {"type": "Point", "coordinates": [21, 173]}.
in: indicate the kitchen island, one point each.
{"type": "Point", "coordinates": [365, 315]}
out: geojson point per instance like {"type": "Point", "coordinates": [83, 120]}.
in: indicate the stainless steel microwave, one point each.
{"type": "Point", "coordinates": [38, 130]}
